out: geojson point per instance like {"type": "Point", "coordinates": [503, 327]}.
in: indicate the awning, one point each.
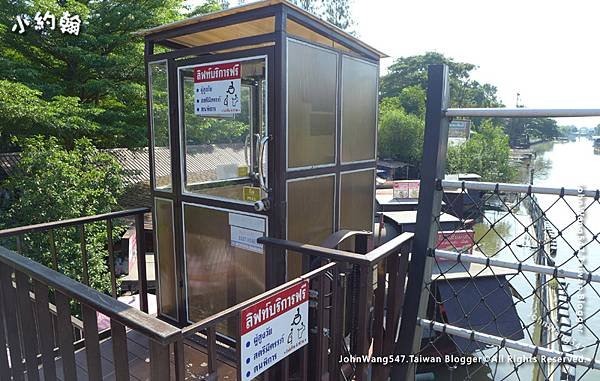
{"type": "Point", "coordinates": [483, 304]}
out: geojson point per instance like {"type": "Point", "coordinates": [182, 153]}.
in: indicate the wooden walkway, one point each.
{"type": "Point", "coordinates": [196, 362]}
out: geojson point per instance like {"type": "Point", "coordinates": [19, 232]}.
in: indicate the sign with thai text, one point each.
{"type": "Point", "coordinates": [460, 241]}
{"type": "Point", "coordinates": [217, 89]}
{"type": "Point", "coordinates": [246, 239]}
{"type": "Point", "coordinates": [273, 328]}
{"type": "Point", "coordinates": [406, 189]}
{"type": "Point", "coordinates": [459, 129]}
{"type": "Point", "coordinates": [251, 194]}
{"type": "Point", "coordinates": [245, 231]}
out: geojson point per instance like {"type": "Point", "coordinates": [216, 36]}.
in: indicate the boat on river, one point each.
{"type": "Point", "coordinates": [458, 288]}
{"type": "Point", "coordinates": [596, 143]}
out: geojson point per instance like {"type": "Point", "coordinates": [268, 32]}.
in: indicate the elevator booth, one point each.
{"type": "Point", "coordinates": [262, 122]}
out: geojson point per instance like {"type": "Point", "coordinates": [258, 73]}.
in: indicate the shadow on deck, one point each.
{"type": "Point", "coordinates": [38, 305]}
{"type": "Point", "coordinates": [138, 358]}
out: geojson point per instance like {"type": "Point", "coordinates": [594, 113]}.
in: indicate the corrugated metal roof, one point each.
{"type": "Point", "coordinates": [135, 163]}
{"type": "Point", "coordinates": [200, 160]}
{"type": "Point", "coordinates": [462, 300]}
{"type": "Point", "coordinates": [8, 162]}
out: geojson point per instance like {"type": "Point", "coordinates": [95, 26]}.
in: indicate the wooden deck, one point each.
{"type": "Point", "coordinates": [196, 362]}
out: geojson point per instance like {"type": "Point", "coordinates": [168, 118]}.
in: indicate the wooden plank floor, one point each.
{"type": "Point", "coordinates": [196, 362]}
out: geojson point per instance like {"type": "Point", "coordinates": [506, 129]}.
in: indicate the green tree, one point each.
{"type": "Point", "coordinates": [336, 12]}
{"type": "Point", "coordinates": [402, 114]}
{"type": "Point", "coordinates": [52, 183]}
{"type": "Point", "coordinates": [411, 100]}
{"type": "Point", "coordinates": [24, 112]}
{"type": "Point", "coordinates": [311, 6]}
{"type": "Point", "coordinates": [400, 135]}
{"type": "Point", "coordinates": [543, 128]}
{"type": "Point", "coordinates": [464, 92]}
{"type": "Point", "coordinates": [486, 153]}
{"type": "Point", "coordinates": [535, 128]}
{"type": "Point", "coordinates": [209, 6]}
{"type": "Point", "coordinates": [98, 75]}
{"type": "Point", "coordinates": [389, 104]}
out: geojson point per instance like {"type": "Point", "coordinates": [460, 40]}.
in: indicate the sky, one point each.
{"type": "Point", "coordinates": [548, 51]}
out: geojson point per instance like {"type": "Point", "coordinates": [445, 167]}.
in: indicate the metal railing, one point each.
{"type": "Point", "coordinates": [506, 112]}
{"type": "Point", "coordinates": [339, 278]}
{"type": "Point", "coordinates": [520, 299]}
{"type": "Point", "coordinates": [27, 292]}
{"type": "Point", "coordinates": [557, 335]}
{"type": "Point", "coordinates": [46, 240]}
{"type": "Point", "coordinates": [376, 316]}
{"type": "Point", "coordinates": [206, 329]}
{"type": "Point", "coordinates": [374, 283]}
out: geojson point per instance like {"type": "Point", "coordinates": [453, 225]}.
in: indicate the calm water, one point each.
{"type": "Point", "coordinates": [575, 165]}
{"type": "Point", "coordinates": [569, 165]}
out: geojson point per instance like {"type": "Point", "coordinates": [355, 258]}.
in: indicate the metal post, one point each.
{"type": "Point", "coordinates": [337, 326]}
{"type": "Point", "coordinates": [141, 261]}
{"type": "Point", "coordinates": [111, 258]}
{"type": "Point", "coordinates": [378, 316]}
{"type": "Point", "coordinates": [53, 249]}
{"type": "Point", "coordinates": [276, 258]}
{"type": "Point", "coordinates": [160, 364]}
{"type": "Point", "coordinates": [430, 199]}
{"type": "Point", "coordinates": [363, 334]}
{"type": "Point", "coordinates": [179, 359]}
{"type": "Point", "coordinates": [84, 255]}
{"type": "Point", "coordinates": [177, 162]}
{"type": "Point", "coordinates": [20, 240]}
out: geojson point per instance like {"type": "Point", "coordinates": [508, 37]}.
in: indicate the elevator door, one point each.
{"type": "Point", "coordinates": [223, 122]}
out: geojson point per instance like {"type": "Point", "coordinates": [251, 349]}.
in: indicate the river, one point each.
{"type": "Point", "coordinates": [558, 164]}
{"type": "Point", "coordinates": [574, 165]}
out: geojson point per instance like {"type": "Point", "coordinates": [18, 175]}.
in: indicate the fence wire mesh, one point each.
{"type": "Point", "coordinates": [514, 290]}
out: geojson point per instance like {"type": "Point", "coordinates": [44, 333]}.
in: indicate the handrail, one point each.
{"type": "Point", "coordinates": [148, 325]}
{"type": "Point", "coordinates": [503, 342]}
{"type": "Point", "coordinates": [520, 112]}
{"type": "Point", "coordinates": [554, 271]}
{"type": "Point", "coordinates": [336, 239]}
{"type": "Point", "coordinates": [375, 255]}
{"type": "Point", "coordinates": [211, 320]}
{"type": "Point", "coordinates": [519, 188]}
{"type": "Point", "coordinates": [389, 247]}
{"type": "Point", "coordinates": [71, 222]}
{"type": "Point", "coordinates": [303, 248]}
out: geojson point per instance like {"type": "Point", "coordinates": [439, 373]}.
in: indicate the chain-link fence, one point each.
{"type": "Point", "coordinates": [513, 292]}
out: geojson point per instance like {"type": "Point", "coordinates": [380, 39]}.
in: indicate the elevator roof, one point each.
{"type": "Point", "coordinates": [255, 19]}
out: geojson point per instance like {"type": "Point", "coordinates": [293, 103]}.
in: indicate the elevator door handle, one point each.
{"type": "Point", "coordinates": [246, 151]}
{"type": "Point", "coordinates": [261, 154]}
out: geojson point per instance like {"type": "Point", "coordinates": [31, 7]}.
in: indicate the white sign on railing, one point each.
{"type": "Point", "coordinates": [273, 328]}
